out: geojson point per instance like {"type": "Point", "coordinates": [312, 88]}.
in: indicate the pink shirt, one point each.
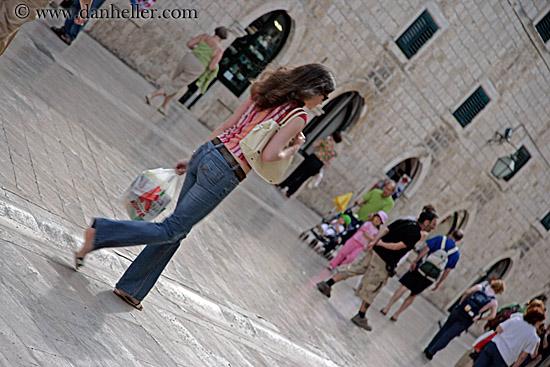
{"type": "Point", "coordinates": [360, 237]}
{"type": "Point", "coordinates": [252, 117]}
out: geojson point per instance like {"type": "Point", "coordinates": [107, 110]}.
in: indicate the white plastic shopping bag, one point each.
{"type": "Point", "coordinates": [150, 193]}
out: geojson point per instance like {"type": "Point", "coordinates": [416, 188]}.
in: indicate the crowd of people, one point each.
{"type": "Point", "coordinates": [218, 166]}
{"type": "Point", "coordinates": [519, 339]}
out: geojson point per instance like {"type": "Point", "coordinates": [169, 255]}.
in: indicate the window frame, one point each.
{"type": "Point", "coordinates": [440, 22]}
{"type": "Point", "coordinates": [517, 169]}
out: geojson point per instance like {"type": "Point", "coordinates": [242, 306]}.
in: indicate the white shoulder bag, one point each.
{"type": "Point", "coordinates": [253, 144]}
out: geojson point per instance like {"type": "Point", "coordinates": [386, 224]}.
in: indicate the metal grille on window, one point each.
{"type": "Point", "coordinates": [543, 27]}
{"type": "Point", "coordinates": [471, 107]}
{"type": "Point", "coordinates": [417, 34]}
{"type": "Point", "coordinates": [546, 221]}
{"type": "Point", "coordinates": [520, 158]}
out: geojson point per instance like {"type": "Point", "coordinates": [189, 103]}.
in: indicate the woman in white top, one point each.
{"type": "Point", "coordinates": [516, 339]}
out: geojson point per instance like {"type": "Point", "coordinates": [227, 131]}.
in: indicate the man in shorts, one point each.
{"type": "Point", "coordinates": [417, 282]}
{"type": "Point", "coordinates": [378, 262]}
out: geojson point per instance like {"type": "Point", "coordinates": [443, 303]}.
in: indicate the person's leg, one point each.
{"type": "Point", "coordinates": [70, 27]}
{"type": "Point", "coordinates": [209, 179]}
{"type": "Point", "coordinates": [158, 92]}
{"type": "Point", "coordinates": [450, 320]}
{"type": "Point", "coordinates": [10, 23]}
{"type": "Point", "coordinates": [346, 271]}
{"type": "Point", "coordinates": [406, 303]}
{"type": "Point", "coordinates": [457, 326]}
{"type": "Point", "coordinates": [349, 247]}
{"type": "Point", "coordinates": [189, 69]}
{"type": "Point", "coordinates": [398, 293]}
{"type": "Point", "coordinates": [352, 256]}
{"type": "Point", "coordinates": [374, 279]}
{"type": "Point", "coordinates": [311, 166]}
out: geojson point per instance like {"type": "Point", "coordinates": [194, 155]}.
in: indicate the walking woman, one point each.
{"type": "Point", "coordinates": [213, 171]}
{"type": "Point", "coordinates": [201, 62]}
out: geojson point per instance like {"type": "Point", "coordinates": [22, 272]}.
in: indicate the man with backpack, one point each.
{"type": "Point", "coordinates": [378, 262]}
{"type": "Point", "coordinates": [473, 303]}
{"type": "Point", "coordinates": [434, 262]}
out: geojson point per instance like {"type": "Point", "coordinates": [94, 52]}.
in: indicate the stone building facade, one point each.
{"type": "Point", "coordinates": [431, 114]}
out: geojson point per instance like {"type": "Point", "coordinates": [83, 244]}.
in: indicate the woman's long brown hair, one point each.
{"type": "Point", "coordinates": [286, 85]}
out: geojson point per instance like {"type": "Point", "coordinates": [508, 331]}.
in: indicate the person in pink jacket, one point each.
{"type": "Point", "coordinates": [357, 243]}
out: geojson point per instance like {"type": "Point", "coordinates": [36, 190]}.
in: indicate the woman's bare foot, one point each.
{"type": "Point", "coordinates": [88, 246]}
{"type": "Point", "coordinates": [128, 299]}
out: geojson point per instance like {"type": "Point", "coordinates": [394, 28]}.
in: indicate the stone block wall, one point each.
{"type": "Point", "coordinates": [409, 106]}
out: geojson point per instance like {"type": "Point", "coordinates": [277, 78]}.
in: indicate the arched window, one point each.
{"type": "Point", "coordinates": [403, 174]}
{"type": "Point", "coordinates": [339, 115]}
{"type": "Point", "coordinates": [248, 56]}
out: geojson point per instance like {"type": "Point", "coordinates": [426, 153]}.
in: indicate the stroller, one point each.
{"type": "Point", "coordinates": [328, 245]}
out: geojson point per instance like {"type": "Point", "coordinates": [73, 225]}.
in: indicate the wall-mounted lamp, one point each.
{"type": "Point", "coordinates": [503, 167]}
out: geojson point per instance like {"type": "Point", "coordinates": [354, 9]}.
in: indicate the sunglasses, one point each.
{"type": "Point", "coordinates": [325, 96]}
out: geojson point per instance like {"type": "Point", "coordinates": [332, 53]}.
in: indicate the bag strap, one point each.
{"type": "Point", "coordinates": [443, 242]}
{"type": "Point", "coordinates": [294, 113]}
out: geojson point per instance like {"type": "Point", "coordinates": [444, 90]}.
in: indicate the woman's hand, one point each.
{"type": "Point", "coordinates": [181, 166]}
{"type": "Point", "coordinates": [299, 140]}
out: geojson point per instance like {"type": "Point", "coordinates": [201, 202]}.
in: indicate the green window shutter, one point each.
{"type": "Point", "coordinates": [520, 157]}
{"type": "Point", "coordinates": [546, 221]}
{"type": "Point", "coordinates": [543, 27]}
{"type": "Point", "coordinates": [471, 107]}
{"type": "Point", "coordinates": [417, 34]}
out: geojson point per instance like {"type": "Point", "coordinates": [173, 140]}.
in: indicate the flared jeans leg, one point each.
{"type": "Point", "coordinates": [208, 181]}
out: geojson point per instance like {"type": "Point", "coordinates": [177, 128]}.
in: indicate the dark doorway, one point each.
{"type": "Point", "coordinates": [340, 114]}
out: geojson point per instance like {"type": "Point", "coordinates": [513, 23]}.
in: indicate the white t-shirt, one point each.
{"type": "Point", "coordinates": [517, 336]}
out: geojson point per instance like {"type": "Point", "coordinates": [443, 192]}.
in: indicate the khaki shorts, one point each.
{"type": "Point", "coordinates": [373, 269]}
{"type": "Point", "coordinates": [10, 22]}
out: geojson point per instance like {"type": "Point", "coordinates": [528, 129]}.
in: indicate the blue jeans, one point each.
{"type": "Point", "coordinates": [72, 29]}
{"type": "Point", "coordinates": [209, 179]}
{"type": "Point", "coordinates": [457, 322]}
{"type": "Point", "coordinates": [490, 357]}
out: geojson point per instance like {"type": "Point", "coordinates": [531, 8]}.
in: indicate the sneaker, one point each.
{"type": "Point", "coordinates": [428, 354]}
{"type": "Point", "coordinates": [361, 322]}
{"type": "Point", "coordinates": [324, 288]}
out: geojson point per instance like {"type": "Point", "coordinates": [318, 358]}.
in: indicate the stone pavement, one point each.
{"type": "Point", "coordinates": [239, 292]}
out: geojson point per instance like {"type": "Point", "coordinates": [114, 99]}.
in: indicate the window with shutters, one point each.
{"type": "Point", "coordinates": [520, 158]}
{"type": "Point", "coordinates": [546, 221]}
{"type": "Point", "coordinates": [471, 107]}
{"type": "Point", "coordinates": [417, 34]}
{"type": "Point", "coordinates": [543, 27]}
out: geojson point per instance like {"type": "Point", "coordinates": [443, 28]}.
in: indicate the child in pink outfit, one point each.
{"type": "Point", "coordinates": [359, 240]}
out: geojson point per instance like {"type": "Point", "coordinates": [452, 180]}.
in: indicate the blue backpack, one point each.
{"type": "Point", "coordinates": [473, 304]}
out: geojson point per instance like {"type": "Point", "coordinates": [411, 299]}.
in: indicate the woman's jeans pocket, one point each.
{"type": "Point", "coordinates": [210, 171]}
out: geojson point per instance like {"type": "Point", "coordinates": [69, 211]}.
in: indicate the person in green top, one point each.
{"type": "Point", "coordinates": [376, 200]}
{"type": "Point", "coordinates": [201, 63]}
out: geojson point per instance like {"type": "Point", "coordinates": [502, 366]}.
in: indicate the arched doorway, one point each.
{"type": "Point", "coordinates": [403, 174]}
{"type": "Point", "coordinates": [447, 225]}
{"type": "Point", "coordinates": [248, 56]}
{"type": "Point", "coordinates": [497, 271]}
{"type": "Point", "coordinates": [339, 115]}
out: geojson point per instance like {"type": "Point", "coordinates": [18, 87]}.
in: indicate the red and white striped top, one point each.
{"type": "Point", "coordinates": [252, 117]}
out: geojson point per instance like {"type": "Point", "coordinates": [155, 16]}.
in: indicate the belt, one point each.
{"type": "Point", "coordinates": [229, 158]}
